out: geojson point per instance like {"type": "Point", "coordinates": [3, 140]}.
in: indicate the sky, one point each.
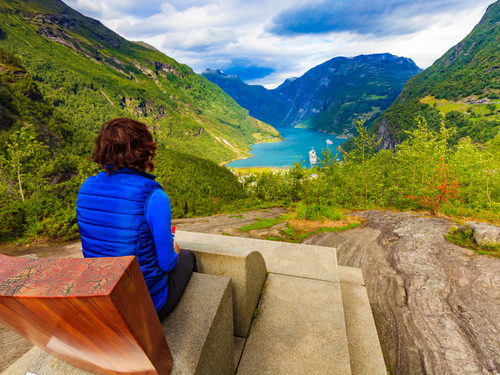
{"type": "Point", "coordinates": [267, 41]}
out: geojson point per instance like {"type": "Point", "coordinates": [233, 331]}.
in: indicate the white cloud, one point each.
{"type": "Point", "coordinates": [223, 33]}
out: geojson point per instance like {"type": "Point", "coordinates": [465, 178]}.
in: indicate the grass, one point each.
{"type": "Point", "coordinates": [446, 106]}
{"type": "Point", "coordinates": [465, 239]}
{"type": "Point", "coordinates": [297, 236]}
{"type": "Point", "coordinates": [301, 225]}
{"type": "Point", "coordinates": [260, 224]}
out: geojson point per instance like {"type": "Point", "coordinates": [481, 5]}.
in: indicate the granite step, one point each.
{"type": "Point", "coordinates": [365, 351]}
{"type": "Point", "coordinates": [300, 324]}
{"type": "Point", "coordinates": [280, 307]}
{"type": "Point", "coordinates": [299, 329]}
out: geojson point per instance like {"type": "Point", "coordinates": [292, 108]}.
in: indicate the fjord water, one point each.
{"type": "Point", "coordinates": [296, 146]}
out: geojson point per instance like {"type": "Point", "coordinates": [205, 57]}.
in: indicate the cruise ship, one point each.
{"type": "Point", "coordinates": [328, 142]}
{"type": "Point", "coordinates": [313, 158]}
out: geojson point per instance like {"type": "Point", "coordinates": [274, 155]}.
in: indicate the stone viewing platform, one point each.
{"type": "Point", "coordinates": [310, 316]}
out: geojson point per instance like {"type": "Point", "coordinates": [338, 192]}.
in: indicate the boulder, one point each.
{"type": "Point", "coordinates": [484, 234]}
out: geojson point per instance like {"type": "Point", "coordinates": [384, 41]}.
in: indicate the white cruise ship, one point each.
{"type": "Point", "coordinates": [313, 158]}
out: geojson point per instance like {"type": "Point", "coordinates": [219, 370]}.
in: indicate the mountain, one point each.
{"type": "Point", "coordinates": [329, 97]}
{"type": "Point", "coordinates": [464, 84]}
{"type": "Point", "coordinates": [92, 74]}
{"type": "Point", "coordinates": [44, 160]}
{"type": "Point", "coordinates": [22, 105]}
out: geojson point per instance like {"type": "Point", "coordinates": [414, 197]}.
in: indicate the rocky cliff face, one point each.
{"type": "Point", "coordinates": [383, 133]}
{"type": "Point", "coordinates": [329, 97]}
{"type": "Point", "coordinates": [436, 305]}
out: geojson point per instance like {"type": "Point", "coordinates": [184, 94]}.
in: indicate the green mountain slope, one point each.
{"type": "Point", "coordinates": [92, 74]}
{"type": "Point", "coordinates": [328, 97]}
{"type": "Point", "coordinates": [464, 84]}
{"type": "Point", "coordinates": [44, 160]}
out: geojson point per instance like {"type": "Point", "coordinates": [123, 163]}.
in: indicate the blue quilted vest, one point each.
{"type": "Point", "coordinates": [110, 212]}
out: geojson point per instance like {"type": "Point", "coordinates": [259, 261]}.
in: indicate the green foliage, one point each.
{"type": "Point", "coordinates": [466, 239]}
{"type": "Point", "coordinates": [260, 224]}
{"type": "Point", "coordinates": [12, 220]}
{"type": "Point", "coordinates": [92, 74]}
{"type": "Point", "coordinates": [317, 212]}
{"type": "Point", "coordinates": [422, 172]}
{"type": "Point", "coordinates": [466, 71]}
{"type": "Point", "coordinates": [26, 162]}
{"type": "Point", "coordinates": [440, 190]}
{"type": "Point", "coordinates": [196, 186]}
{"type": "Point", "coordinates": [8, 58]}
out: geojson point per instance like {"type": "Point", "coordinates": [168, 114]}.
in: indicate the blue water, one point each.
{"type": "Point", "coordinates": [296, 146]}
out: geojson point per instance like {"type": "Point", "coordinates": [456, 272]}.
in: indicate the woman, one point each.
{"type": "Point", "coordinates": [124, 211]}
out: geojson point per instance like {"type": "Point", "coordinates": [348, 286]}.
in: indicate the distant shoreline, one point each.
{"type": "Point", "coordinates": [224, 163]}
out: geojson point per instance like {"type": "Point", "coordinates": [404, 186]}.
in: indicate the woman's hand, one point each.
{"type": "Point", "coordinates": [177, 248]}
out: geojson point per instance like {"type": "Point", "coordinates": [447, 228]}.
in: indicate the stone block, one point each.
{"type": "Point", "coordinates": [365, 351]}
{"type": "Point", "coordinates": [22, 365]}
{"type": "Point", "coordinates": [199, 330]}
{"type": "Point", "coordinates": [245, 268]}
{"type": "Point", "coordinates": [351, 275]}
{"type": "Point", "coordinates": [299, 329]}
{"type": "Point", "coordinates": [313, 262]}
{"type": "Point", "coordinates": [45, 364]}
{"type": "Point", "coordinates": [239, 345]}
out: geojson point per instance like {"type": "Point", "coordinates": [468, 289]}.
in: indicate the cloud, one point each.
{"type": "Point", "coordinates": [87, 7]}
{"type": "Point", "coordinates": [247, 73]}
{"type": "Point", "coordinates": [375, 17]}
{"type": "Point", "coordinates": [100, 8]}
{"type": "Point", "coordinates": [267, 41]}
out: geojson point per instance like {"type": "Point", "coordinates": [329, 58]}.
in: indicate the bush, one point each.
{"type": "Point", "coordinates": [12, 220]}
{"type": "Point", "coordinates": [316, 212]}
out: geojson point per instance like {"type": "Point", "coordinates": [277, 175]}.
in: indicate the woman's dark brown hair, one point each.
{"type": "Point", "coordinates": [123, 142]}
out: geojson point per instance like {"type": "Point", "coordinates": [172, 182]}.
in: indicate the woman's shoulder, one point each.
{"type": "Point", "coordinates": [158, 196]}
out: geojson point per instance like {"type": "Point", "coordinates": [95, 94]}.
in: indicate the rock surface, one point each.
{"type": "Point", "coordinates": [436, 305]}
{"type": "Point", "coordinates": [484, 234]}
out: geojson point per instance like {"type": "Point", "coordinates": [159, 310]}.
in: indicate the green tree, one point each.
{"type": "Point", "coordinates": [358, 161]}
{"type": "Point", "coordinates": [26, 163]}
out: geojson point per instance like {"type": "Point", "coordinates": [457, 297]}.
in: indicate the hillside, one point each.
{"type": "Point", "coordinates": [44, 160]}
{"type": "Point", "coordinates": [91, 74]}
{"type": "Point", "coordinates": [464, 84]}
{"type": "Point", "coordinates": [329, 97]}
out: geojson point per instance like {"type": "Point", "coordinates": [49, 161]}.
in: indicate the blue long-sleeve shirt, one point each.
{"type": "Point", "coordinates": [158, 216]}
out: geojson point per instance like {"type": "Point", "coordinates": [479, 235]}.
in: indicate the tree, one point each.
{"type": "Point", "coordinates": [358, 160]}
{"type": "Point", "coordinates": [442, 187]}
{"type": "Point", "coordinates": [26, 163]}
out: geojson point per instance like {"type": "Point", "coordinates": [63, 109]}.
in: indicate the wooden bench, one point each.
{"type": "Point", "coordinates": [95, 314]}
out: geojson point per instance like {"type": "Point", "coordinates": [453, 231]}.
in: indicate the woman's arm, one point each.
{"type": "Point", "coordinates": [158, 216]}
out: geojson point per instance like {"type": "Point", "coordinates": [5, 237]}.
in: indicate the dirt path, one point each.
{"type": "Point", "coordinates": [436, 305]}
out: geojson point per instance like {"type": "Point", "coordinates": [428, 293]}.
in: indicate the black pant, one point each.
{"type": "Point", "coordinates": [178, 279]}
